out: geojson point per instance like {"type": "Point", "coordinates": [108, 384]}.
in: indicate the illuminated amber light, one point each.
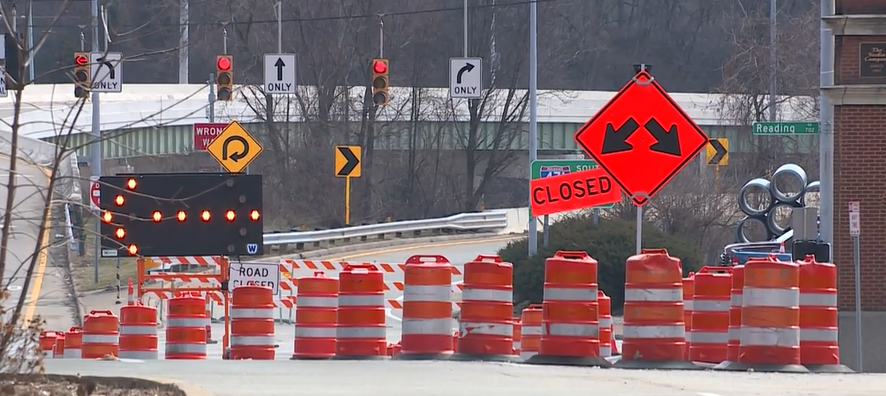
{"type": "Point", "coordinates": [131, 183]}
{"type": "Point", "coordinates": [230, 215]}
{"type": "Point", "coordinates": [156, 216]}
{"type": "Point", "coordinates": [205, 215]}
{"type": "Point", "coordinates": [107, 217]}
{"type": "Point", "coordinates": [181, 216]}
{"type": "Point", "coordinates": [254, 215]}
{"type": "Point", "coordinates": [133, 250]}
{"type": "Point", "coordinates": [119, 200]}
{"type": "Point", "coordinates": [120, 233]}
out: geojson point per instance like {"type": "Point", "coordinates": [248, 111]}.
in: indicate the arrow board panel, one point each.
{"type": "Point", "coordinates": [280, 71]}
{"type": "Point", "coordinates": [465, 78]}
{"type": "Point", "coordinates": [107, 71]}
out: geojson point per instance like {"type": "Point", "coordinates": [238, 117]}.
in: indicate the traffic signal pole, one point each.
{"type": "Point", "coordinates": [96, 151]}
{"type": "Point", "coordinates": [533, 111]}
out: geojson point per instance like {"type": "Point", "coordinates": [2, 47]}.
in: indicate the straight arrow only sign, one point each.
{"type": "Point", "coordinates": [280, 73]}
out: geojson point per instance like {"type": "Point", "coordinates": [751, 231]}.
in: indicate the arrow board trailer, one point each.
{"type": "Point", "coordinates": [255, 274]}
{"type": "Point", "coordinates": [280, 72]}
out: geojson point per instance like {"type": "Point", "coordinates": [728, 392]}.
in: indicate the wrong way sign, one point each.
{"type": "Point", "coordinates": [255, 274]}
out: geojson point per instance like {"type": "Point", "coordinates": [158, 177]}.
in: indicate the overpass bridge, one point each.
{"type": "Point", "coordinates": [157, 119]}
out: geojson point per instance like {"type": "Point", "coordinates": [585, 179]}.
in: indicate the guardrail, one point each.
{"type": "Point", "coordinates": [478, 222]}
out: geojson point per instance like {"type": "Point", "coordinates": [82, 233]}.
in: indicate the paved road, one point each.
{"type": "Point", "coordinates": [402, 378]}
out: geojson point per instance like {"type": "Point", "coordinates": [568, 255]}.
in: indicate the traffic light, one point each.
{"type": "Point", "coordinates": [380, 82]}
{"type": "Point", "coordinates": [82, 78]}
{"type": "Point", "coordinates": [224, 77]}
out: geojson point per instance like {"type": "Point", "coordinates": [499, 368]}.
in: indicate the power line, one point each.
{"type": "Point", "coordinates": [320, 19]}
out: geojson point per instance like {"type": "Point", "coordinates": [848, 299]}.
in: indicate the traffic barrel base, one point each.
{"type": "Point", "coordinates": [362, 357]}
{"type": "Point", "coordinates": [635, 364]}
{"type": "Point", "coordinates": [762, 368]}
{"type": "Point", "coordinates": [470, 357]}
{"type": "Point", "coordinates": [423, 356]}
{"type": "Point", "coordinates": [577, 361]}
{"type": "Point", "coordinates": [828, 368]}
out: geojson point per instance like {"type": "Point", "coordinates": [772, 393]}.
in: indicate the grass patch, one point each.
{"type": "Point", "coordinates": [84, 269]}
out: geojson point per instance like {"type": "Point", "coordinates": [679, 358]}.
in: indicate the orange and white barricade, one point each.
{"type": "Point", "coordinates": [100, 335]}
{"type": "Point", "coordinates": [688, 295]}
{"type": "Point", "coordinates": [73, 342]}
{"type": "Point", "coordinates": [571, 329]}
{"type": "Point", "coordinates": [604, 318]}
{"type": "Point", "coordinates": [530, 332]}
{"type": "Point", "coordinates": [819, 346]}
{"type": "Point", "coordinates": [710, 315]}
{"type": "Point", "coordinates": [518, 336]}
{"type": "Point", "coordinates": [770, 317]}
{"type": "Point", "coordinates": [361, 332]}
{"type": "Point", "coordinates": [252, 323]}
{"type": "Point", "coordinates": [654, 328]}
{"type": "Point", "coordinates": [186, 328]}
{"type": "Point", "coordinates": [735, 298]}
{"type": "Point", "coordinates": [315, 317]}
{"type": "Point", "coordinates": [47, 342]}
{"type": "Point", "coordinates": [138, 332]}
{"type": "Point", "coordinates": [487, 311]}
{"type": "Point", "coordinates": [427, 309]}
{"type": "Point", "coordinates": [58, 351]}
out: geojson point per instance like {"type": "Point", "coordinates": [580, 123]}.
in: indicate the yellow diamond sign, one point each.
{"type": "Point", "coordinates": [234, 148]}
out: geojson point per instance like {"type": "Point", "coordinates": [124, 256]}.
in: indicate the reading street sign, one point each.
{"type": "Point", "coordinates": [641, 146]}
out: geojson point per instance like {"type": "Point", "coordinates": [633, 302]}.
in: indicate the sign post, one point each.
{"type": "Point", "coordinates": [855, 233]}
{"type": "Point", "coordinates": [348, 164]}
{"type": "Point", "coordinates": [641, 167]}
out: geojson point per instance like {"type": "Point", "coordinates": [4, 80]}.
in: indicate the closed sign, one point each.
{"type": "Point", "coordinates": [255, 274]}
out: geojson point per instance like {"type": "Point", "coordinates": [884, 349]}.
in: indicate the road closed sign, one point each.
{"type": "Point", "coordinates": [255, 274]}
{"type": "Point", "coordinates": [572, 191]}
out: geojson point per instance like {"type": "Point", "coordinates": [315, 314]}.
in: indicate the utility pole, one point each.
{"type": "Point", "coordinates": [826, 136]}
{"type": "Point", "coordinates": [533, 111]}
{"type": "Point", "coordinates": [183, 41]}
{"type": "Point", "coordinates": [773, 57]}
{"type": "Point", "coordinates": [96, 150]}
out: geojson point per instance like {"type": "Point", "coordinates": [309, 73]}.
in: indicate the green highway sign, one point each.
{"type": "Point", "coordinates": [785, 128]}
{"type": "Point", "coordinates": [554, 167]}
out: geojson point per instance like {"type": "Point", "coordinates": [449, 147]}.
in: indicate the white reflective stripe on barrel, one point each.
{"type": "Point", "coordinates": [823, 335]}
{"type": "Point", "coordinates": [317, 302]}
{"type": "Point", "coordinates": [426, 293]}
{"type": "Point", "coordinates": [141, 355]}
{"type": "Point", "coordinates": [689, 305]}
{"type": "Point", "coordinates": [73, 353]}
{"type": "Point", "coordinates": [252, 340]}
{"type": "Point", "coordinates": [709, 337]}
{"type": "Point", "coordinates": [570, 294]}
{"type": "Point", "coordinates": [361, 332]}
{"type": "Point", "coordinates": [605, 322]}
{"type": "Point", "coordinates": [426, 326]}
{"type": "Point", "coordinates": [572, 330]}
{"type": "Point", "coordinates": [605, 351]}
{"type": "Point", "coordinates": [735, 299]}
{"type": "Point", "coordinates": [471, 294]}
{"type": "Point", "coordinates": [99, 338]}
{"type": "Point", "coordinates": [779, 298]}
{"type": "Point", "coordinates": [186, 348]}
{"type": "Point", "coordinates": [499, 329]}
{"type": "Point", "coordinates": [239, 313]}
{"type": "Point", "coordinates": [531, 330]}
{"type": "Point", "coordinates": [631, 331]}
{"type": "Point", "coordinates": [770, 336]}
{"type": "Point", "coordinates": [818, 299]}
{"type": "Point", "coordinates": [185, 322]}
{"type": "Point", "coordinates": [137, 330]}
{"type": "Point", "coordinates": [654, 295]}
{"type": "Point", "coordinates": [711, 306]}
{"type": "Point", "coordinates": [361, 300]}
{"type": "Point", "coordinates": [314, 332]}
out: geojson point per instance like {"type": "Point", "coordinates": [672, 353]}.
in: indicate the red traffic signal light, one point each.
{"type": "Point", "coordinates": [223, 63]}
{"type": "Point", "coordinates": [379, 67]}
{"type": "Point", "coordinates": [81, 60]}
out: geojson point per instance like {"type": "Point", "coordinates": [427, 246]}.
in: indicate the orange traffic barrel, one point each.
{"type": "Point", "coordinates": [654, 328]}
{"type": "Point", "coordinates": [570, 325]}
{"type": "Point", "coordinates": [47, 343]}
{"type": "Point", "coordinates": [604, 321]}
{"type": "Point", "coordinates": [59, 350]}
{"type": "Point", "coordinates": [710, 315]}
{"type": "Point", "coordinates": [73, 342]}
{"type": "Point", "coordinates": [361, 331]}
{"type": "Point", "coordinates": [819, 347]}
{"type": "Point", "coordinates": [486, 329]}
{"type": "Point", "coordinates": [252, 323]}
{"type": "Point", "coordinates": [427, 309]}
{"type": "Point", "coordinates": [138, 332]}
{"type": "Point", "coordinates": [100, 335]}
{"type": "Point", "coordinates": [186, 328]}
{"type": "Point", "coordinates": [316, 314]}
{"type": "Point", "coordinates": [531, 321]}
{"type": "Point", "coordinates": [518, 335]}
{"type": "Point", "coordinates": [734, 333]}
{"type": "Point", "coordinates": [770, 317]}
{"type": "Point", "coordinates": [688, 295]}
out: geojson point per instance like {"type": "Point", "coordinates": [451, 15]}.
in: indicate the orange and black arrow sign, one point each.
{"type": "Point", "coordinates": [348, 161]}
